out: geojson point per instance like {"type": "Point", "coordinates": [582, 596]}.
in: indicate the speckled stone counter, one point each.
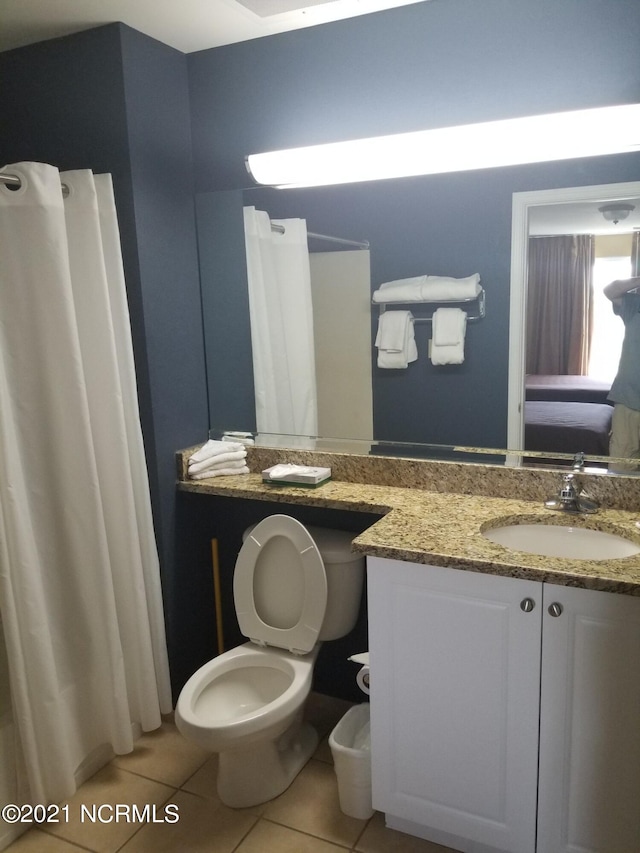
{"type": "Point", "coordinates": [435, 513]}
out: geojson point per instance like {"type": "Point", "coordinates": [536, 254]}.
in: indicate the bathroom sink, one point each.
{"type": "Point", "coordinates": [553, 540]}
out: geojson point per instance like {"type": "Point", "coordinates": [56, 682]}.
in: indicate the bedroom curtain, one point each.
{"type": "Point", "coordinates": [79, 576]}
{"type": "Point", "coordinates": [281, 314]}
{"type": "Point", "coordinates": [560, 304]}
{"type": "Point", "coordinates": [635, 254]}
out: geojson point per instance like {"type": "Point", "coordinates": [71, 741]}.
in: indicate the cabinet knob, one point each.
{"type": "Point", "coordinates": [527, 604]}
{"type": "Point", "coordinates": [555, 609]}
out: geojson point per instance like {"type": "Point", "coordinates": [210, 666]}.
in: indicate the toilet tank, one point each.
{"type": "Point", "coordinates": [345, 578]}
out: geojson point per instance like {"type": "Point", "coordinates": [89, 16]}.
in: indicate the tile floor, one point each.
{"type": "Point", "coordinates": [166, 771]}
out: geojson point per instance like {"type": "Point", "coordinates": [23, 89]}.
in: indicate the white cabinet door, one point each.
{"type": "Point", "coordinates": [455, 679]}
{"type": "Point", "coordinates": [590, 723]}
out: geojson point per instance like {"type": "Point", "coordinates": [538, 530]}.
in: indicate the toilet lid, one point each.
{"type": "Point", "coordinates": [280, 585]}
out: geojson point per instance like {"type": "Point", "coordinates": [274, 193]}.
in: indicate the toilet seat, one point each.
{"type": "Point", "coordinates": [268, 589]}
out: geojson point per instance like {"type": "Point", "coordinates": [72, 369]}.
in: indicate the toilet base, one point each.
{"type": "Point", "coordinates": [263, 770]}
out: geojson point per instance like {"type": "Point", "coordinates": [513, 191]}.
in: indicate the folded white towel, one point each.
{"type": "Point", "coordinates": [219, 460]}
{"type": "Point", "coordinates": [442, 288]}
{"type": "Point", "coordinates": [428, 288]}
{"type": "Point", "coordinates": [447, 342]}
{"type": "Point", "coordinates": [401, 290]}
{"type": "Point", "coordinates": [215, 466]}
{"type": "Point", "coordinates": [449, 325]}
{"type": "Point", "coordinates": [395, 340]}
{"type": "Point", "coordinates": [219, 472]}
{"type": "Point", "coordinates": [213, 448]}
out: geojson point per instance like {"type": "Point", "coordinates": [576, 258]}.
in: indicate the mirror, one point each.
{"type": "Point", "coordinates": [548, 412]}
{"type": "Point", "coordinates": [451, 225]}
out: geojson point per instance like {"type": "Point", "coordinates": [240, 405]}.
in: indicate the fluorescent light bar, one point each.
{"type": "Point", "coordinates": [510, 142]}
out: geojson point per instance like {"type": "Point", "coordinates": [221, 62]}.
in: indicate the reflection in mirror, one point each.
{"type": "Point", "coordinates": [582, 463]}
{"type": "Point", "coordinates": [414, 227]}
{"type": "Point", "coordinates": [571, 339]}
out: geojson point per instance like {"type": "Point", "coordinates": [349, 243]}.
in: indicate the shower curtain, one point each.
{"type": "Point", "coordinates": [281, 314]}
{"type": "Point", "coordinates": [79, 577]}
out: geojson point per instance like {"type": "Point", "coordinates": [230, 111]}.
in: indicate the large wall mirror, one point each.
{"type": "Point", "coordinates": [447, 225]}
{"type": "Point", "coordinates": [563, 355]}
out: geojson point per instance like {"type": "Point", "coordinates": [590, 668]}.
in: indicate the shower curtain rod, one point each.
{"type": "Point", "coordinates": [280, 229]}
{"type": "Point", "coordinates": [14, 181]}
{"type": "Point", "coordinates": [10, 180]}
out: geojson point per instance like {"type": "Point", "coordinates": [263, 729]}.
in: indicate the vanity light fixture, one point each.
{"type": "Point", "coordinates": [508, 142]}
{"type": "Point", "coordinates": [616, 212]}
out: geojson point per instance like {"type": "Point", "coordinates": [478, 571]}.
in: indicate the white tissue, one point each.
{"type": "Point", "coordinates": [279, 472]}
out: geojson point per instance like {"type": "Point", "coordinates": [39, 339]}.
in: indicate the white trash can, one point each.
{"type": "Point", "coordinates": [350, 743]}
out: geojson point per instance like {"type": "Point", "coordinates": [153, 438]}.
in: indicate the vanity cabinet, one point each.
{"type": "Point", "coordinates": [505, 713]}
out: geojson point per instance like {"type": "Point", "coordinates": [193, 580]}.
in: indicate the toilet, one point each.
{"type": "Point", "coordinates": [293, 588]}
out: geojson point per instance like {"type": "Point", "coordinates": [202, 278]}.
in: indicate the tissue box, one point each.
{"type": "Point", "coordinates": [301, 475]}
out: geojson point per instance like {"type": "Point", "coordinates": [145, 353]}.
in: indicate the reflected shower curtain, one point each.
{"type": "Point", "coordinates": [281, 313]}
{"type": "Point", "coordinates": [79, 576]}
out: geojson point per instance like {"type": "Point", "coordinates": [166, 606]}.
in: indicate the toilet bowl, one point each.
{"type": "Point", "coordinates": [293, 587]}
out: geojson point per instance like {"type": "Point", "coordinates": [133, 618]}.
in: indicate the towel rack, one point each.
{"type": "Point", "coordinates": [480, 314]}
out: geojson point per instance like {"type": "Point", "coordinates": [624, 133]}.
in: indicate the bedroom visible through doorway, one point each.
{"type": "Point", "coordinates": [608, 329]}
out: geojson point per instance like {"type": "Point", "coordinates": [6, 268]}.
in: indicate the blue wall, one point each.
{"type": "Point", "coordinates": [426, 65]}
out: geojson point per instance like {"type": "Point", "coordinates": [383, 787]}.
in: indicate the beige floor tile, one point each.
{"type": "Point", "coordinates": [267, 837]}
{"type": "Point", "coordinates": [164, 755]}
{"type": "Point", "coordinates": [202, 828]}
{"type": "Point", "coordinates": [203, 782]}
{"type": "Point", "coordinates": [311, 805]}
{"type": "Point", "coordinates": [378, 839]}
{"type": "Point", "coordinates": [109, 787]}
{"type": "Point", "coordinates": [36, 841]}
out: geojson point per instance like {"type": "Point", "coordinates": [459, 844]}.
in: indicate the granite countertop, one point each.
{"type": "Point", "coordinates": [445, 528]}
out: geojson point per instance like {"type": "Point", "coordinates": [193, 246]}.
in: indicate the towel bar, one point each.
{"type": "Point", "coordinates": [471, 318]}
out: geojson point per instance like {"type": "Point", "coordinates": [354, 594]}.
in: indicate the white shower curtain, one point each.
{"type": "Point", "coordinates": [281, 313]}
{"type": "Point", "coordinates": [79, 576]}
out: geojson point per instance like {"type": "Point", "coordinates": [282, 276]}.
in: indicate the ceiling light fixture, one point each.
{"type": "Point", "coordinates": [510, 142]}
{"type": "Point", "coordinates": [616, 212]}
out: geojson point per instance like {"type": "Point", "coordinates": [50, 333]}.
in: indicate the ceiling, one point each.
{"type": "Point", "coordinates": [580, 218]}
{"type": "Point", "coordinates": [187, 25]}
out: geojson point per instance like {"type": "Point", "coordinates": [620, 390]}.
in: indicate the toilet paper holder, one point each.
{"type": "Point", "coordinates": [362, 676]}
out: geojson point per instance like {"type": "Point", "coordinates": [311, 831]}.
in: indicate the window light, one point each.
{"type": "Point", "coordinates": [509, 142]}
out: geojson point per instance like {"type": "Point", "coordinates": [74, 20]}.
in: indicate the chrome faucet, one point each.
{"type": "Point", "coordinates": [571, 498]}
{"type": "Point", "coordinates": [578, 462]}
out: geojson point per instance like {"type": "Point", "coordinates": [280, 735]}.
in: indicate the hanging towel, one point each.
{"type": "Point", "coordinates": [395, 340]}
{"type": "Point", "coordinates": [447, 342]}
{"type": "Point", "coordinates": [439, 288]}
{"type": "Point", "coordinates": [401, 290]}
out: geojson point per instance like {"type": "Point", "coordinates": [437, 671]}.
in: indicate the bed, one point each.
{"type": "Point", "coordinates": [567, 414]}
{"type": "Point", "coordinates": [554, 426]}
{"type": "Point", "coordinates": [566, 389]}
